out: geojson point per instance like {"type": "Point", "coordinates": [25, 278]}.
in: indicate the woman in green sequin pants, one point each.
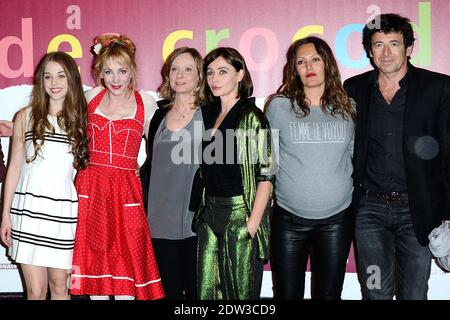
{"type": "Point", "coordinates": [232, 224]}
{"type": "Point", "coordinates": [230, 266]}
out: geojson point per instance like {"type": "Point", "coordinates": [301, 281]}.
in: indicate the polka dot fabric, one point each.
{"type": "Point", "coordinates": [113, 253]}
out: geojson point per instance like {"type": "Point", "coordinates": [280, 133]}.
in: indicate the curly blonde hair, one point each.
{"type": "Point", "coordinates": [117, 47]}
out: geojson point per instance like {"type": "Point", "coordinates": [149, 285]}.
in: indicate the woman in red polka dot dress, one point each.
{"type": "Point", "coordinates": [113, 253]}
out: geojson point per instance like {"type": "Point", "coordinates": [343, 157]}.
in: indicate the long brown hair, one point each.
{"type": "Point", "coordinates": [166, 91]}
{"type": "Point", "coordinates": [73, 116]}
{"type": "Point", "coordinates": [334, 99]}
{"type": "Point", "coordinates": [116, 47]}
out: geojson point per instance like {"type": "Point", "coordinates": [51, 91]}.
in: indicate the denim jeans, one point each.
{"type": "Point", "coordinates": [390, 259]}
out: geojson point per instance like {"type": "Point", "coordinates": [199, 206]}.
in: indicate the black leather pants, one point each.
{"type": "Point", "coordinates": [292, 242]}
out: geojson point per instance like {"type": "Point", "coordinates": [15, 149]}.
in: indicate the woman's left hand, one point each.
{"type": "Point", "coordinates": [137, 172]}
{"type": "Point", "coordinates": [251, 229]}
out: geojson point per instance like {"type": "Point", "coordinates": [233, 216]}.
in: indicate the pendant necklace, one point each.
{"type": "Point", "coordinates": [183, 115]}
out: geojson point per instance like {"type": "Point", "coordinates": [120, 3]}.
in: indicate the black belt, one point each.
{"type": "Point", "coordinates": [388, 197]}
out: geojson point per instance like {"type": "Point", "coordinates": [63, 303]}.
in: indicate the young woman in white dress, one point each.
{"type": "Point", "coordinates": [40, 200]}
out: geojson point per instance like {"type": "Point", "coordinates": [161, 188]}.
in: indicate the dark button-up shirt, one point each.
{"type": "Point", "coordinates": [385, 169]}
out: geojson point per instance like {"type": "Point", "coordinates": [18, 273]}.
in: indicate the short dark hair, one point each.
{"type": "Point", "coordinates": [233, 57]}
{"type": "Point", "coordinates": [388, 22]}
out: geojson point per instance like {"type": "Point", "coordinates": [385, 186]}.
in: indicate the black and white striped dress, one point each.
{"type": "Point", "coordinates": [45, 204]}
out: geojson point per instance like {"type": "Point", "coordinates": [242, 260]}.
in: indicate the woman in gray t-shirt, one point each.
{"type": "Point", "coordinates": [315, 122]}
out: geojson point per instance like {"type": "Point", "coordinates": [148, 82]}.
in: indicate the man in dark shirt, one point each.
{"type": "Point", "coordinates": [401, 162]}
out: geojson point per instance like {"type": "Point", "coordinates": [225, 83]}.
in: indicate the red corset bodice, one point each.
{"type": "Point", "coordinates": [114, 143]}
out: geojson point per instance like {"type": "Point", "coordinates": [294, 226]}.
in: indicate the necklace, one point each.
{"type": "Point", "coordinates": [182, 114]}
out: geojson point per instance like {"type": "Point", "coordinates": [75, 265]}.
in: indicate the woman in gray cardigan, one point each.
{"type": "Point", "coordinates": [175, 135]}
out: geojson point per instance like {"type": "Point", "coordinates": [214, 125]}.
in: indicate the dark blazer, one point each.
{"type": "Point", "coordinates": [146, 168]}
{"type": "Point", "coordinates": [426, 115]}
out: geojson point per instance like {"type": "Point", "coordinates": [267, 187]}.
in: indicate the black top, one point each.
{"type": "Point", "coordinates": [220, 170]}
{"type": "Point", "coordinates": [2, 165]}
{"type": "Point", "coordinates": [385, 170]}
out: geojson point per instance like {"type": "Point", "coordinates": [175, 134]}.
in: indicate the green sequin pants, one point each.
{"type": "Point", "coordinates": [228, 266]}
